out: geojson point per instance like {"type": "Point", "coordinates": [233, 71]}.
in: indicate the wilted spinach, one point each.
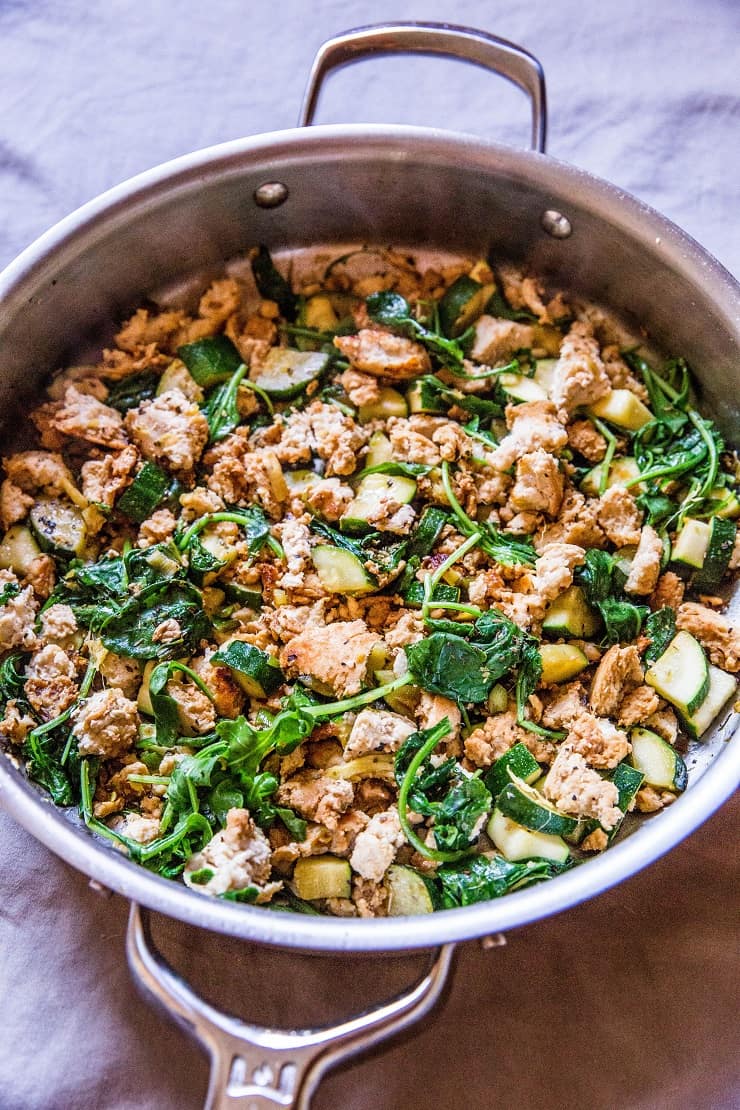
{"type": "Point", "coordinates": [481, 878]}
{"type": "Point", "coordinates": [456, 801]}
{"type": "Point", "coordinates": [272, 285]}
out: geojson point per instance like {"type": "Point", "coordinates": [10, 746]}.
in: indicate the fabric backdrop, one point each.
{"type": "Point", "coordinates": [628, 1001]}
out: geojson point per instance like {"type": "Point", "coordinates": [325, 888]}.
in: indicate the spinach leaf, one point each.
{"type": "Point", "coordinates": [660, 626]}
{"type": "Point", "coordinates": [221, 409]}
{"type": "Point", "coordinates": [679, 442]}
{"type": "Point", "coordinates": [8, 592]}
{"type": "Point", "coordinates": [211, 361]}
{"type": "Point", "coordinates": [455, 800]}
{"type": "Point", "coordinates": [393, 311]}
{"type": "Point", "coordinates": [129, 392]}
{"type": "Point", "coordinates": [11, 682]}
{"type": "Point", "coordinates": [449, 665]}
{"type": "Point", "coordinates": [469, 402]}
{"type": "Point", "coordinates": [622, 619]}
{"type": "Point", "coordinates": [130, 632]}
{"type": "Point", "coordinates": [481, 878]}
{"type": "Point", "coordinates": [595, 575]}
{"type": "Point", "coordinates": [164, 707]}
{"type": "Point", "coordinates": [657, 507]}
{"type": "Point", "coordinates": [457, 816]}
{"type": "Point", "coordinates": [272, 285]}
{"type": "Point", "coordinates": [43, 751]}
{"type": "Point", "coordinates": [404, 469]}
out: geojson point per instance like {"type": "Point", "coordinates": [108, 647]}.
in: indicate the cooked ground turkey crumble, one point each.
{"type": "Point", "coordinates": [426, 493]}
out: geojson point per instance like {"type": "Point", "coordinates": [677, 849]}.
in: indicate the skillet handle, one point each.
{"type": "Point", "coordinates": [254, 1068]}
{"type": "Point", "coordinates": [446, 39]}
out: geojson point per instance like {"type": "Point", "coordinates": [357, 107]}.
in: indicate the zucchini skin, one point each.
{"type": "Point", "coordinates": [717, 559]}
{"type": "Point", "coordinates": [258, 669]}
{"type": "Point", "coordinates": [147, 491]}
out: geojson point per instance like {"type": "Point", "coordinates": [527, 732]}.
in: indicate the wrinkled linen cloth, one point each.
{"type": "Point", "coordinates": [626, 1001]}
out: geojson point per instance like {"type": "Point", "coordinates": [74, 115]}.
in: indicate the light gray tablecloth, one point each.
{"type": "Point", "coordinates": [628, 1001]}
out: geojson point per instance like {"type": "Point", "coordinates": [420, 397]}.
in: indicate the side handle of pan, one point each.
{"type": "Point", "coordinates": [446, 39]}
{"type": "Point", "coordinates": [255, 1068]}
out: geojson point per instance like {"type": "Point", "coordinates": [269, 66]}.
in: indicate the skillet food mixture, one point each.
{"type": "Point", "coordinates": [372, 593]}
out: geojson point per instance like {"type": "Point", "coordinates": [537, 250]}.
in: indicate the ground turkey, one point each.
{"type": "Point", "coordinates": [336, 655]}
{"type": "Point", "coordinates": [105, 724]}
{"type": "Point", "coordinates": [236, 858]}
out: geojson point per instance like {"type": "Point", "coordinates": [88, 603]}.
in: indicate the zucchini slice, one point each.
{"type": "Point", "coordinates": [722, 686]}
{"type": "Point", "coordinates": [521, 388]}
{"type": "Point", "coordinates": [301, 482]}
{"type": "Point", "coordinates": [621, 471]}
{"type": "Point", "coordinates": [571, 615]}
{"type": "Point", "coordinates": [389, 403]}
{"type": "Point", "coordinates": [623, 408]}
{"type": "Point", "coordinates": [722, 534]}
{"type": "Point", "coordinates": [18, 549]}
{"type": "Point", "coordinates": [545, 373]}
{"type": "Point", "coordinates": [691, 544]}
{"type": "Point", "coordinates": [525, 805]}
{"type": "Point", "coordinates": [145, 493]}
{"type": "Point", "coordinates": [58, 526]}
{"type": "Point", "coordinates": [462, 304]}
{"type": "Point", "coordinates": [681, 674]}
{"type": "Point", "coordinates": [517, 762]}
{"type": "Point", "coordinates": [317, 877]}
{"type": "Point", "coordinates": [515, 842]}
{"type": "Point", "coordinates": [242, 595]}
{"type": "Point", "coordinates": [316, 312]}
{"type": "Point", "coordinates": [379, 450]}
{"type": "Point", "coordinates": [409, 894]}
{"type": "Point", "coordinates": [561, 662]}
{"type": "Point", "coordinates": [177, 376]}
{"type": "Point", "coordinates": [211, 361]}
{"type": "Point", "coordinates": [372, 491]}
{"type": "Point", "coordinates": [257, 673]}
{"type": "Point", "coordinates": [284, 372]}
{"type": "Point", "coordinates": [729, 506]}
{"type": "Point", "coordinates": [661, 764]}
{"type": "Point", "coordinates": [340, 571]}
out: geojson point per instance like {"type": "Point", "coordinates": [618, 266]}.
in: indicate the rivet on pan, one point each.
{"type": "Point", "coordinates": [494, 940]}
{"type": "Point", "coordinates": [271, 194]}
{"type": "Point", "coordinates": [556, 224]}
{"type": "Point", "coordinates": [98, 888]}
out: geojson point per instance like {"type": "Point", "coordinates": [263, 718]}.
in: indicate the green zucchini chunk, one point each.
{"type": "Point", "coordinates": [285, 373]}
{"type": "Point", "coordinates": [661, 764]}
{"type": "Point", "coordinates": [716, 563]}
{"type": "Point", "coordinates": [722, 687]}
{"type": "Point", "coordinates": [517, 842]}
{"type": "Point", "coordinates": [525, 805]}
{"type": "Point", "coordinates": [462, 304]}
{"type": "Point", "coordinates": [340, 571]}
{"type": "Point", "coordinates": [58, 526]}
{"type": "Point", "coordinates": [681, 674]}
{"type": "Point", "coordinates": [372, 492]}
{"type": "Point", "coordinates": [571, 615]}
{"type": "Point", "coordinates": [257, 673]}
{"type": "Point", "coordinates": [519, 762]}
{"type": "Point", "coordinates": [408, 893]}
{"type": "Point", "coordinates": [319, 877]}
{"type": "Point", "coordinates": [145, 493]}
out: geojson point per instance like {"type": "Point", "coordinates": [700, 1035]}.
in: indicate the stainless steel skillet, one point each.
{"type": "Point", "coordinates": [411, 187]}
